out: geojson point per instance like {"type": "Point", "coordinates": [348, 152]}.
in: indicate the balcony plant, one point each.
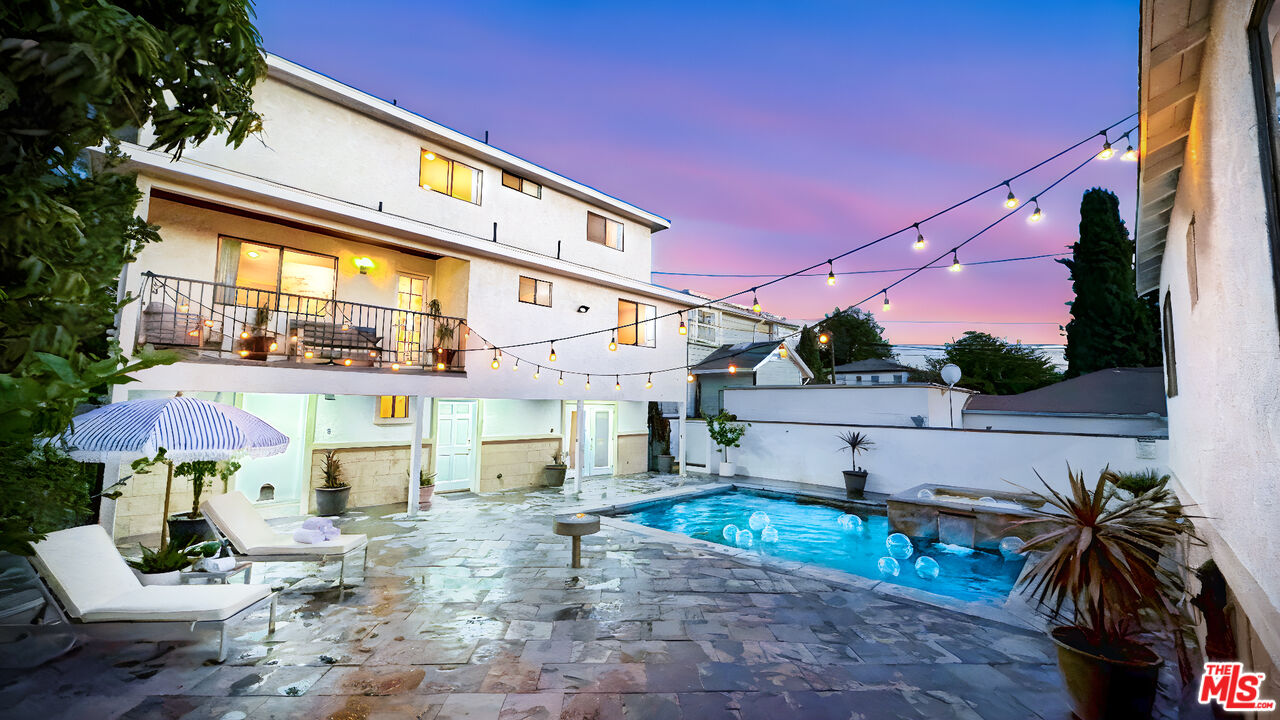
{"type": "Point", "coordinates": [332, 495]}
{"type": "Point", "coordinates": [855, 479]}
{"type": "Point", "coordinates": [445, 352]}
{"type": "Point", "coordinates": [426, 488]}
{"type": "Point", "coordinates": [261, 341]}
{"type": "Point", "coordinates": [161, 566]}
{"type": "Point", "coordinates": [726, 432]}
{"type": "Point", "coordinates": [660, 438]}
{"type": "Point", "coordinates": [1108, 571]}
{"type": "Point", "coordinates": [557, 469]}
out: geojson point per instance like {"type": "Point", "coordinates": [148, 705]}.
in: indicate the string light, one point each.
{"type": "Point", "coordinates": [561, 381]}
{"type": "Point", "coordinates": [831, 273]}
{"type": "Point", "coordinates": [617, 383]}
{"type": "Point", "coordinates": [1036, 215]}
{"type": "Point", "coordinates": [1010, 202]}
{"type": "Point", "coordinates": [440, 365]}
{"type": "Point", "coordinates": [588, 382]}
{"type": "Point", "coordinates": [955, 262]}
{"type": "Point", "coordinates": [244, 335]}
{"type": "Point", "coordinates": [552, 356]}
{"type": "Point", "coordinates": [495, 364]}
{"type": "Point", "coordinates": [649, 383]}
{"type": "Point", "coordinates": [823, 338]}
{"type": "Point", "coordinates": [308, 354]}
{"type": "Point", "coordinates": [683, 330]}
{"type": "Point", "coordinates": [782, 351]}
{"type": "Point", "coordinates": [919, 243]}
{"type": "Point", "coordinates": [537, 371]}
{"type": "Point", "coordinates": [1107, 151]}
{"type": "Point", "coordinates": [1130, 155]}
{"type": "Point", "coordinates": [395, 367]}
{"type": "Point", "coordinates": [347, 362]}
{"type": "Point", "coordinates": [886, 300]}
{"type": "Point", "coordinates": [613, 343]}
{"type": "Point", "coordinates": [755, 302]}
{"type": "Point", "coordinates": [244, 353]}
{"type": "Point", "coordinates": [516, 366]}
{"type": "Point", "coordinates": [689, 377]}
{"type": "Point", "coordinates": [733, 369]}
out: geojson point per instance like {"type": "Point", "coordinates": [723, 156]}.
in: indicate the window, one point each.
{"type": "Point", "coordinates": [899, 379]}
{"type": "Point", "coordinates": [604, 231]}
{"type": "Point", "coordinates": [704, 326]}
{"type": "Point", "coordinates": [636, 323]}
{"type": "Point", "coordinates": [259, 271]}
{"type": "Point", "coordinates": [515, 182]}
{"type": "Point", "coordinates": [1170, 356]}
{"type": "Point", "coordinates": [875, 379]}
{"type": "Point", "coordinates": [450, 177]}
{"type": "Point", "coordinates": [411, 300]}
{"type": "Point", "coordinates": [393, 407]}
{"type": "Point", "coordinates": [1263, 32]}
{"type": "Point", "coordinates": [535, 292]}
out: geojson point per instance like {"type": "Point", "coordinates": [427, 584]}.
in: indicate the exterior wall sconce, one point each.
{"type": "Point", "coordinates": [364, 264]}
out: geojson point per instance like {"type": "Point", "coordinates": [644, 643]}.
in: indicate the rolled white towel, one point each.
{"type": "Point", "coordinates": [310, 537]}
{"type": "Point", "coordinates": [331, 533]}
{"type": "Point", "coordinates": [316, 523]}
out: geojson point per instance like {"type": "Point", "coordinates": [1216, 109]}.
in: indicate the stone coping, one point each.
{"type": "Point", "coordinates": [1027, 500]}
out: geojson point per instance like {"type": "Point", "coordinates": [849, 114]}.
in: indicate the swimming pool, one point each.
{"type": "Point", "coordinates": [811, 532]}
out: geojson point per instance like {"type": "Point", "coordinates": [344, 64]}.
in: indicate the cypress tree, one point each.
{"type": "Point", "coordinates": [1110, 325]}
{"type": "Point", "coordinates": [807, 349]}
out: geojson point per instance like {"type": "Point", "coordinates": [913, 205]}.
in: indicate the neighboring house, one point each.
{"type": "Point", "coordinates": [744, 365]}
{"type": "Point", "coordinates": [1120, 401]}
{"type": "Point", "coordinates": [872, 372]}
{"type": "Point", "coordinates": [346, 275]}
{"type": "Point", "coordinates": [725, 323]}
{"type": "Point", "coordinates": [918, 356]}
{"type": "Point", "coordinates": [1208, 242]}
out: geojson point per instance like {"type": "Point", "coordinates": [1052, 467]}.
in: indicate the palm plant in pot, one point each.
{"type": "Point", "coordinates": [161, 566]}
{"type": "Point", "coordinates": [426, 487]}
{"type": "Point", "coordinates": [332, 495]}
{"type": "Point", "coordinates": [444, 335]}
{"type": "Point", "coordinates": [855, 480]}
{"type": "Point", "coordinates": [1107, 573]}
{"type": "Point", "coordinates": [726, 432]}
{"type": "Point", "coordinates": [260, 341]}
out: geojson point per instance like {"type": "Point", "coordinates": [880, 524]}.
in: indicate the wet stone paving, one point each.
{"type": "Point", "coordinates": [473, 612]}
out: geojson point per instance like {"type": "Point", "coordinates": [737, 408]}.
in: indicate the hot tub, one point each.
{"type": "Point", "coordinates": [968, 517]}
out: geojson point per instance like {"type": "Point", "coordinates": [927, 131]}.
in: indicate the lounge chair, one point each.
{"type": "Point", "coordinates": [95, 587]}
{"type": "Point", "coordinates": [233, 516]}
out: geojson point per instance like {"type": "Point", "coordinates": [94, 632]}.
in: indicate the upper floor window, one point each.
{"type": "Point", "coordinates": [637, 324]}
{"type": "Point", "coordinates": [280, 278]}
{"type": "Point", "coordinates": [535, 292]}
{"type": "Point", "coordinates": [704, 326]}
{"type": "Point", "coordinates": [450, 177]}
{"type": "Point", "coordinates": [515, 182]}
{"type": "Point", "coordinates": [604, 231]}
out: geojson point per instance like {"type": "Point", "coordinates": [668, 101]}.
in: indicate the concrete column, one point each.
{"type": "Point", "coordinates": [683, 454]}
{"type": "Point", "coordinates": [580, 452]}
{"type": "Point", "coordinates": [415, 453]}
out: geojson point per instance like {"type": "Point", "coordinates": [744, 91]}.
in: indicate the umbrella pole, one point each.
{"type": "Point", "coordinates": [164, 519]}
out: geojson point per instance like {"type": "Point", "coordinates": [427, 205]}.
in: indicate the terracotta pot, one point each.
{"type": "Point", "coordinates": [424, 495]}
{"type": "Point", "coordinates": [855, 481]}
{"type": "Point", "coordinates": [1101, 688]}
{"type": "Point", "coordinates": [332, 501]}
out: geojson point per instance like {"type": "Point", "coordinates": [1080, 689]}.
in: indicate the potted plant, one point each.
{"type": "Point", "coordinates": [189, 527]}
{"type": "Point", "coordinates": [161, 566]}
{"type": "Point", "coordinates": [444, 335]}
{"type": "Point", "coordinates": [331, 497]}
{"type": "Point", "coordinates": [261, 341]}
{"type": "Point", "coordinates": [557, 469]}
{"type": "Point", "coordinates": [660, 436]}
{"type": "Point", "coordinates": [426, 487]}
{"type": "Point", "coordinates": [1105, 565]}
{"type": "Point", "coordinates": [726, 432]}
{"type": "Point", "coordinates": [855, 480]}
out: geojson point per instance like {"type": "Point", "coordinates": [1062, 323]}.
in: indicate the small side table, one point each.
{"type": "Point", "coordinates": [191, 577]}
{"type": "Point", "coordinates": [575, 526]}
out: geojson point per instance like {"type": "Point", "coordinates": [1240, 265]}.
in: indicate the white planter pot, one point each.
{"type": "Point", "coordinates": [168, 578]}
{"type": "Point", "coordinates": [728, 469]}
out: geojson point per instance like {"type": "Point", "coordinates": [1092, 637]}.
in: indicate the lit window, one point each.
{"type": "Point", "coordinates": [305, 281]}
{"type": "Point", "coordinates": [515, 182]}
{"type": "Point", "coordinates": [535, 292]}
{"type": "Point", "coordinates": [393, 407]}
{"type": "Point", "coordinates": [636, 323]}
{"type": "Point", "coordinates": [603, 231]}
{"type": "Point", "coordinates": [450, 177]}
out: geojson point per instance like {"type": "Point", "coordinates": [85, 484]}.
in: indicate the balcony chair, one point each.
{"type": "Point", "coordinates": [234, 517]}
{"type": "Point", "coordinates": [166, 325]}
{"type": "Point", "coordinates": [92, 584]}
{"type": "Point", "coordinates": [329, 342]}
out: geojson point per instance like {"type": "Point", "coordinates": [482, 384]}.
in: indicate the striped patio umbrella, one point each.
{"type": "Point", "coordinates": [187, 428]}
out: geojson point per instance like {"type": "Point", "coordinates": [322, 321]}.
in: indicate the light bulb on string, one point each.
{"type": "Point", "coordinates": [1036, 216]}
{"type": "Point", "coordinates": [886, 299]}
{"type": "Point", "coordinates": [617, 383]}
{"type": "Point", "coordinates": [496, 363]}
{"type": "Point", "coordinates": [733, 369]}
{"type": "Point", "coordinates": [613, 344]}
{"type": "Point", "coordinates": [689, 377]}
{"type": "Point", "coordinates": [1107, 151]}
{"type": "Point", "coordinates": [537, 371]}
{"type": "Point", "coordinates": [755, 302]}
{"type": "Point", "coordinates": [1011, 201]}
{"type": "Point", "coordinates": [561, 380]}
{"type": "Point", "coordinates": [649, 383]}
{"type": "Point", "coordinates": [955, 262]}
{"type": "Point", "coordinates": [831, 273]}
{"type": "Point", "coordinates": [395, 367]}
{"type": "Point", "coordinates": [919, 243]}
{"type": "Point", "coordinates": [782, 351]}
{"type": "Point", "coordinates": [516, 366]}
{"type": "Point", "coordinates": [588, 382]}
{"type": "Point", "coordinates": [1130, 155]}
{"type": "Point", "coordinates": [552, 356]}
{"type": "Point", "coordinates": [823, 339]}
{"type": "Point", "coordinates": [440, 365]}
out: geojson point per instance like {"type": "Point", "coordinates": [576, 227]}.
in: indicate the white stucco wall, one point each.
{"type": "Point", "coordinates": [1224, 424]}
{"type": "Point", "coordinates": [520, 418]}
{"type": "Point", "coordinates": [1152, 425]}
{"type": "Point", "coordinates": [776, 371]}
{"type": "Point", "coordinates": [352, 419]}
{"type": "Point", "coordinates": [869, 405]}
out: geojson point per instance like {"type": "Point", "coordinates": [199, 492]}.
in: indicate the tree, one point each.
{"type": "Point", "coordinates": [856, 336]}
{"type": "Point", "coordinates": [76, 74]}
{"type": "Point", "coordinates": [1110, 325]}
{"type": "Point", "coordinates": [808, 349]}
{"type": "Point", "coordinates": [992, 365]}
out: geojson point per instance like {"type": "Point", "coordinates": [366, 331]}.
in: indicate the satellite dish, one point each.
{"type": "Point", "coordinates": [951, 373]}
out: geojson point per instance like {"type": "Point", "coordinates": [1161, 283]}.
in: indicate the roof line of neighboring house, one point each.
{"type": "Point", "coordinates": [318, 83]}
{"type": "Point", "coordinates": [742, 310]}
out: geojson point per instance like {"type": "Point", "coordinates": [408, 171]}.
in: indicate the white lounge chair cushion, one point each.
{"type": "Point", "coordinates": [83, 568]}
{"type": "Point", "coordinates": [236, 517]}
{"type": "Point", "coordinates": [185, 603]}
{"type": "Point", "coordinates": [286, 545]}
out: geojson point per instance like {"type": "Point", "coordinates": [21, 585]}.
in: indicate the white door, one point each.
{"type": "Point", "coordinates": [599, 448]}
{"type": "Point", "coordinates": [455, 436]}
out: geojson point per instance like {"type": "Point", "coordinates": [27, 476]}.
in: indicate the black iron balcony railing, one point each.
{"type": "Point", "coordinates": [221, 321]}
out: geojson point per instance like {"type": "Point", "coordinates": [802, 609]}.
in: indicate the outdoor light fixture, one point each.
{"type": "Point", "coordinates": [561, 382]}
{"type": "Point", "coordinates": [583, 308]}
{"type": "Point", "coordinates": [364, 263]}
{"type": "Point", "coordinates": [613, 344]}
{"type": "Point", "coordinates": [733, 369]}
{"type": "Point", "coordinates": [194, 333]}
{"type": "Point", "coordinates": [429, 155]}
{"type": "Point", "coordinates": [649, 383]}
{"type": "Point", "coordinates": [955, 262]}
{"type": "Point", "coordinates": [588, 382]}
{"type": "Point", "coordinates": [919, 243]}
{"type": "Point", "coordinates": [683, 330]}
{"type": "Point", "coordinates": [689, 377]}
{"type": "Point", "coordinates": [496, 363]}
{"type": "Point", "coordinates": [823, 339]}
{"type": "Point", "coordinates": [617, 383]}
{"type": "Point", "coordinates": [536, 371]}
{"type": "Point", "coordinates": [209, 324]}
{"type": "Point", "coordinates": [253, 254]}
{"type": "Point", "coordinates": [831, 273]}
{"type": "Point", "coordinates": [516, 367]}
{"type": "Point", "coordinates": [755, 302]}
{"type": "Point", "coordinates": [1036, 216]}
{"type": "Point", "coordinates": [886, 300]}
{"type": "Point", "coordinates": [1010, 202]}
{"type": "Point", "coordinates": [552, 356]}
{"type": "Point", "coordinates": [346, 326]}
{"type": "Point", "coordinates": [184, 307]}
{"type": "Point", "coordinates": [1130, 155]}
{"type": "Point", "coordinates": [1107, 151]}
{"type": "Point", "coordinates": [244, 335]}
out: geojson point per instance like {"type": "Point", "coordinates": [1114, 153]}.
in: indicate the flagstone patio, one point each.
{"type": "Point", "coordinates": [474, 613]}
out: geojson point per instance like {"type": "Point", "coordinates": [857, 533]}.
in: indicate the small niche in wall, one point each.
{"type": "Point", "coordinates": [266, 493]}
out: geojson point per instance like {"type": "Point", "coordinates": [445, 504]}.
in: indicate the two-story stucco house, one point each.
{"type": "Point", "coordinates": [370, 281]}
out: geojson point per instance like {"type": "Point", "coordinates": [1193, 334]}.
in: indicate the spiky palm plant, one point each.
{"type": "Point", "coordinates": [856, 443]}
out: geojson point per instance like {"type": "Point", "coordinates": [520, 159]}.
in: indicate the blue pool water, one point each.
{"type": "Point", "coordinates": [812, 533]}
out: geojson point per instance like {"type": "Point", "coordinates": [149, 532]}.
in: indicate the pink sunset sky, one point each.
{"type": "Point", "coordinates": [776, 135]}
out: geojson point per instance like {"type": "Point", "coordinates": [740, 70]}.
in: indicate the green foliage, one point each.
{"type": "Point", "coordinates": [41, 490]}
{"type": "Point", "coordinates": [1104, 560]}
{"type": "Point", "coordinates": [426, 479]}
{"type": "Point", "coordinates": [856, 335]}
{"type": "Point", "coordinates": [725, 430]}
{"type": "Point", "coordinates": [169, 557]}
{"type": "Point", "coordinates": [659, 428]}
{"type": "Point", "coordinates": [991, 365]}
{"type": "Point", "coordinates": [331, 470]}
{"type": "Point", "coordinates": [1110, 325]}
{"type": "Point", "coordinates": [1143, 481]}
{"type": "Point", "coordinates": [808, 350]}
{"type": "Point", "coordinates": [200, 472]}
{"type": "Point", "coordinates": [856, 443]}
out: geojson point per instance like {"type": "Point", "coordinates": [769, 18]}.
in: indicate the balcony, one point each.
{"type": "Point", "coordinates": [209, 321]}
